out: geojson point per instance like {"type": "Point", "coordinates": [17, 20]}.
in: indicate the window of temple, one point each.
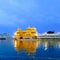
{"type": "Point", "coordinates": [21, 37]}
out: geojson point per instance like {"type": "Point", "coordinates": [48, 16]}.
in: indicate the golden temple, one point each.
{"type": "Point", "coordinates": [29, 32]}
{"type": "Point", "coordinates": [26, 39]}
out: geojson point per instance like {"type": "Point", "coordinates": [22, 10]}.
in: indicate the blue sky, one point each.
{"type": "Point", "coordinates": [42, 14]}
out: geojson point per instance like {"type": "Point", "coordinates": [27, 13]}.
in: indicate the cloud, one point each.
{"type": "Point", "coordinates": [5, 19]}
{"type": "Point", "coordinates": [13, 12]}
{"type": "Point", "coordinates": [10, 20]}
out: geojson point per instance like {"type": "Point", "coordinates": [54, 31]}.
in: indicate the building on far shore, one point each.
{"type": "Point", "coordinates": [50, 34]}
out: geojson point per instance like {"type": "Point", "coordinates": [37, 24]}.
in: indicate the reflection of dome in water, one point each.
{"type": "Point", "coordinates": [28, 46]}
{"type": "Point", "coordinates": [18, 45]}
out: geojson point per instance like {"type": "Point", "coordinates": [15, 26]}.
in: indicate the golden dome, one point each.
{"type": "Point", "coordinates": [18, 30]}
{"type": "Point", "coordinates": [28, 32]}
{"type": "Point", "coordinates": [28, 28]}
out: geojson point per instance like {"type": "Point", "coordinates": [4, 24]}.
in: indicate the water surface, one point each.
{"type": "Point", "coordinates": [48, 49]}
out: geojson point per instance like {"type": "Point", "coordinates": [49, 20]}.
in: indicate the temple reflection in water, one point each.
{"type": "Point", "coordinates": [28, 45]}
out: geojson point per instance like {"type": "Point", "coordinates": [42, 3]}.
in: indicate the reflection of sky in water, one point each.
{"type": "Point", "coordinates": [47, 48]}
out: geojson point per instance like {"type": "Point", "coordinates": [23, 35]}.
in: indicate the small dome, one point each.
{"type": "Point", "coordinates": [28, 28]}
{"type": "Point", "coordinates": [18, 30]}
